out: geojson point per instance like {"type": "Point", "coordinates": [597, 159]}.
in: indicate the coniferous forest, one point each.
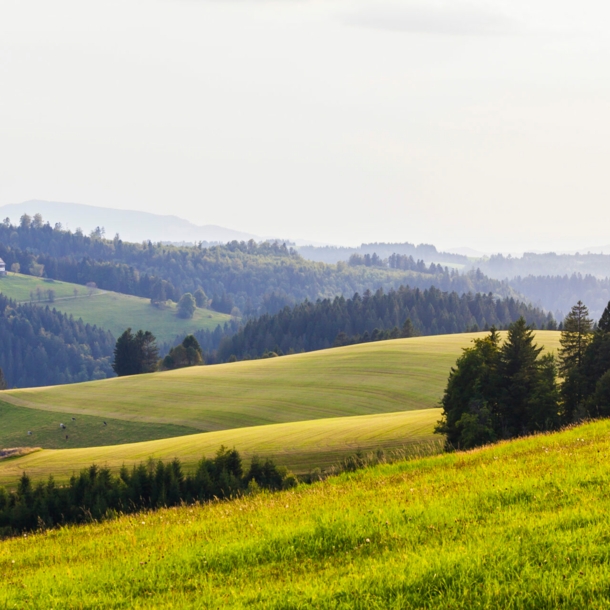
{"type": "Point", "coordinates": [371, 317]}
{"type": "Point", "coordinates": [40, 346]}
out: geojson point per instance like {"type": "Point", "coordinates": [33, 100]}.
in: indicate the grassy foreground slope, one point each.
{"type": "Point", "coordinates": [518, 525]}
{"type": "Point", "coordinates": [383, 377]}
{"type": "Point", "coordinates": [302, 446]}
{"type": "Point", "coordinates": [110, 310]}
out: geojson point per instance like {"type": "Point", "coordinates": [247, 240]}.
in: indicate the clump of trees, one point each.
{"type": "Point", "coordinates": [97, 494]}
{"type": "Point", "coordinates": [504, 390]}
{"type": "Point", "coordinates": [135, 353]}
{"type": "Point", "coordinates": [188, 353]}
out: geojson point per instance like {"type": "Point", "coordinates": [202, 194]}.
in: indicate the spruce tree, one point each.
{"type": "Point", "coordinates": [3, 384]}
{"type": "Point", "coordinates": [125, 355]}
{"type": "Point", "coordinates": [596, 363]}
{"type": "Point", "coordinates": [575, 339]}
{"type": "Point", "coordinates": [518, 378]}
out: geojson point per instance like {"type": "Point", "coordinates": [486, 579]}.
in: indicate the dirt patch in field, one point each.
{"type": "Point", "coordinates": [17, 452]}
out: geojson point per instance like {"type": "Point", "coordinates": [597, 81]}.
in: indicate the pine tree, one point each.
{"type": "Point", "coordinates": [147, 353]}
{"type": "Point", "coordinates": [3, 384]}
{"type": "Point", "coordinates": [518, 378]}
{"type": "Point", "coordinates": [575, 339]}
{"type": "Point", "coordinates": [125, 357]}
{"type": "Point", "coordinates": [596, 363]}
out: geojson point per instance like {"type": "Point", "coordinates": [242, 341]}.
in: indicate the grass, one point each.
{"type": "Point", "coordinates": [366, 379]}
{"type": "Point", "coordinates": [518, 525]}
{"type": "Point", "coordinates": [111, 310]}
{"type": "Point", "coordinates": [302, 446]}
{"type": "Point", "coordinates": [85, 431]}
{"type": "Point", "coordinates": [20, 288]}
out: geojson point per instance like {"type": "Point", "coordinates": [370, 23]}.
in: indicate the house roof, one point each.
{"type": "Point", "coordinates": [1, 262]}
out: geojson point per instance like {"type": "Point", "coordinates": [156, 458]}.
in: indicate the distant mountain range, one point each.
{"type": "Point", "coordinates": [131, 225]}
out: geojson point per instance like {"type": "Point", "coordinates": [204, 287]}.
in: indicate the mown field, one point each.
{"type": "Point", "coordinates": [365, 379]}
{"type": "Point", "coordinates": [110, 310]}
{"type": "Point", "coordinates": [522, 524]}
{"type": "Point", "coordinates": [83, 431]}
{"type": "Point", "coordinates": [301, 446]}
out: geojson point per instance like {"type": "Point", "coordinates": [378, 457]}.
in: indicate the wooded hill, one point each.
{"type": "Point", "coordinates": [255, 278]}
{"type": "Point", "coordinates": [340, 321]}
{"type": "Point", "coordinates": [40, 346]}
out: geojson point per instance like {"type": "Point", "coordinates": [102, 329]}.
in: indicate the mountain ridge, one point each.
{"type": "Point", "coordinates": [132, 225]}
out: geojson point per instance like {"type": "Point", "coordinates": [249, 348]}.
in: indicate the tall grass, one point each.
{"type": "Point", "coordinates": [522, 524]}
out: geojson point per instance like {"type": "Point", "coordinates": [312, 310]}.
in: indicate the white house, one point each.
{"type": "Point", "coordinates": [2, 268]}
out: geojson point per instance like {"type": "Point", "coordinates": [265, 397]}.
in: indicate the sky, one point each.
{"type": "Point", "coordinates": [481, 123]}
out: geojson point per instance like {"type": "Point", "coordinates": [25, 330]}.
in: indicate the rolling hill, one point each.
{"type": "Point", "coordinates": [326, 404]}
{"type": "Point", "coordinates": [301, 446]}
{"type": "Point", "coordinates": [522, 524]}
{"type": "Point", "coordinates": [108, 310]}
{"type": "Point", "coordinates": [364, 379]}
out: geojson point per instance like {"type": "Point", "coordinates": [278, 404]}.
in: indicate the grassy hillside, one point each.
{"type": "Point", "coordinates": [518, 525]}
{"type": "Point", "coordinates": [24, 288]}
{"type": "Point", "coordinates": [302, 446]}
{"type": "Point", "coordinates": [383, 377]}
{"type": "Point", "coordinates": [83, 431]}
{"type": "Point", "coordinates": [109, 310]}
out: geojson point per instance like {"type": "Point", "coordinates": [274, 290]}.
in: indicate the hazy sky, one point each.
{"type": "Point", "coordinates": [482, 123]}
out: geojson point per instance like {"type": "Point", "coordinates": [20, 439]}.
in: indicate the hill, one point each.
{"type": "Point", "coordinates": [382, 377]}
{"type": "Point", "coordinates": [111, 311]}
{"type": "Point", "coordinates": [255, 278]}
{"type": "Point", "coordinates": [133, 225]}
{"type": "Point", "coordinates": [301, 446]}
{"type": "Point", "coordinates": [519, 525]}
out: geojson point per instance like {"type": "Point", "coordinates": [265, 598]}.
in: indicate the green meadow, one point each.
{"type": "Point", "coordinates": [20, 288]}
{"type": "Point", "coordinates": [83, 431]}
{"type": "Point", "coordinates": [365, 379]}
{"type": "Point", "coordinates": [522, 524]}
{"type": "Point", "coordinates": [110, 310]}
{"type": "Point", "coordinates": [301, 446]}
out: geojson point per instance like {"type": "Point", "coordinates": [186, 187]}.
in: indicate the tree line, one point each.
{"type": "Point", "coordinates": [95, 493]}
{"type": "Point", "coordinates": [500, 390]}
{"type": "Point", "coordinates": [374, 316]}
{"type": "Point", "coordinates": [40, 346]}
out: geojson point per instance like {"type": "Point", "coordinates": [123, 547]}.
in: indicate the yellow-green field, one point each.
{"type": "Point", "coordinates": [382, 377]}
{"type": "Point", "coordinates": [301, 446]}
{"type": "Point", "coordinates": [110, 310]}
{"type": "Point", "coordinates": [518, 525]}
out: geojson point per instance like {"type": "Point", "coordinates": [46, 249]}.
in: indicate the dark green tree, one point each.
{"type": "Point", "coordinates": [596, 362]}
{"type": "Point", "coordinates": [186, 305]}
{"type": "Point", "coordinates": [408, 330]}
{"type": "Point", "coordinates": [188, 353]}
{"type": "Point", "coordinates": [499, 391]}
{"type": "Point", "coordinates": [518, 371]}
{"type": "Point", "coordinates": [3, 384]}
{"type": "Point", "coordinates": [470, 396]}
{"type": "Point", "coordinates": [201, 298]}
{"type": "Point", "coordinates": [135, 354]}
{"type": "Point", "coordinates": [148, 353]}
{"type": "Point", "coordinates": [125, 355]}
{"type": "Point", "coordinates": [575, 339]}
